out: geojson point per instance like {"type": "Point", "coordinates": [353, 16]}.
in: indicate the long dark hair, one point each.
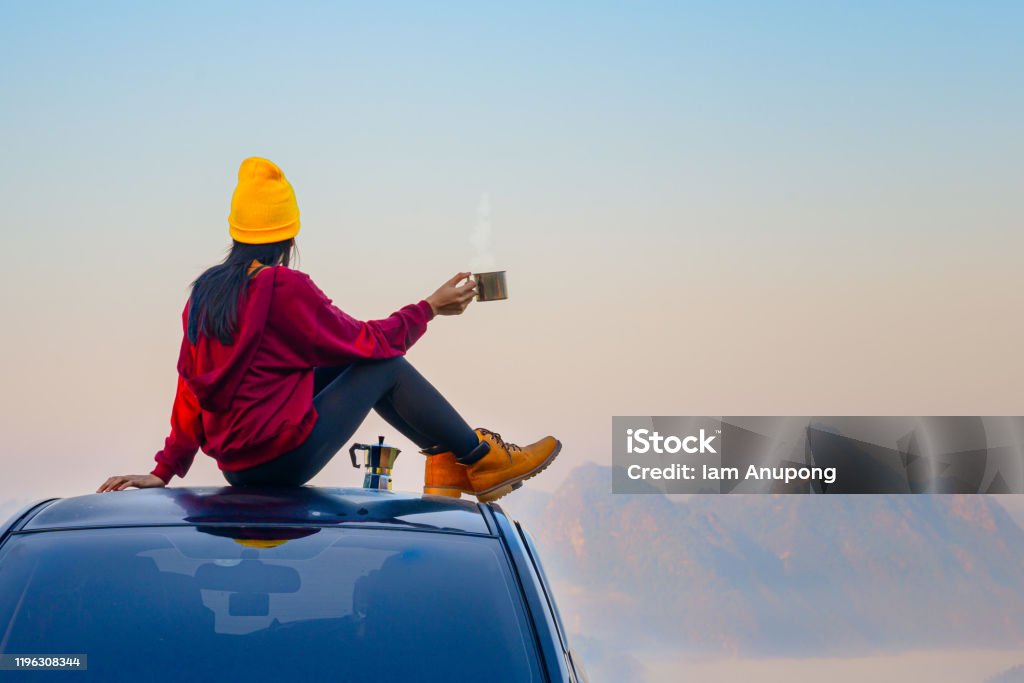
{"type": "Point", "coordinates": [216, 294]}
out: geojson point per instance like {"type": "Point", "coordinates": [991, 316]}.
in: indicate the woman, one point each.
{"type": "Point", "coordinates": [273, 379]}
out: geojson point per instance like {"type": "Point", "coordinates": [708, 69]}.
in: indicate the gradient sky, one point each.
{"type": "Point", "coordinates": [805, 208]}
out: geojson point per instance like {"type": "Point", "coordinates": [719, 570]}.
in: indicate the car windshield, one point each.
{"type": "Point", "coordinates": [173, 603]}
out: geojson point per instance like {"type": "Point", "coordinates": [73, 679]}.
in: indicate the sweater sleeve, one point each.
{"type": "Point", "coordinates": [339, 338]}
{"type": "Point", "coordinates": [185, 438]}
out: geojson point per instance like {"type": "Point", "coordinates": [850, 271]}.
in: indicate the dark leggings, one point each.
{"type": "Point", "coordinates": [343, 397]}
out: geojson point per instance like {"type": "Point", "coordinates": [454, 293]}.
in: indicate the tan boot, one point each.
{"type": "Point", "coordinates": [507, 464]}
{"type": "Point", "coordinates": [443, 475]}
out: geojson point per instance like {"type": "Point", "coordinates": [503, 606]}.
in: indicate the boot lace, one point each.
{"type": "Point", "coordinates": [501, 442]}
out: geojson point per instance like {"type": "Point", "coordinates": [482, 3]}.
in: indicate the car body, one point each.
{"type": "Point", "coordinates": [260, 583]}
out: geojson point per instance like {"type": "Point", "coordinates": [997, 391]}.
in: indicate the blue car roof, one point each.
{"type": "Point", "coordinates": [264, 506]}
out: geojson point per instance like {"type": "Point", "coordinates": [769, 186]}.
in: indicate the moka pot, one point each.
{"type": "Point", "coordinates": [378, 461]}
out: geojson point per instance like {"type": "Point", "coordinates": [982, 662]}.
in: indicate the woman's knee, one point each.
{"type": "Point", "coordinates": [395, 361]}
{"type": "Point", "coordinates": [389, 367]}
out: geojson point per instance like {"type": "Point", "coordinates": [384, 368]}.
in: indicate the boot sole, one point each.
{"type": "Point", "coordinates": [448, 491]}
{"type": "Point", "coordinates": [455, 492]}
{"type": "Point", "coordinates": [505, 488]}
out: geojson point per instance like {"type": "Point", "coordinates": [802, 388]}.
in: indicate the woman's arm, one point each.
{"type": "Point", "coordinates": [186, 435]}
{"type": "Point", "coordinates": [341, 338]}
{"type": "Point", "coordinates": [337, 338]}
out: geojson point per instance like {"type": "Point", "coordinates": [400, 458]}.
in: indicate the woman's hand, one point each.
{"type": "Point", "coordinates": [142, 481]}
{"type": "Point", "coordinates": [450, 299]}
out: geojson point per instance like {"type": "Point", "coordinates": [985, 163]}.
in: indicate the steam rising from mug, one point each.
{"type": "Point", "coordinates": [480, 238]}
{"type": "Point", "coordinates": [490, 284]}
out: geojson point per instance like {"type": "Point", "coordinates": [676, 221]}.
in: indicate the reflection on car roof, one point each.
{"type": "Point", "coordinates": [233, 505]}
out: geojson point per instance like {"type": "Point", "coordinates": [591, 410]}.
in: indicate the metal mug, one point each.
{"type": "Point", "coordinates": [378, 461]}
{"type": "Point", "coordinates": [491, 286]}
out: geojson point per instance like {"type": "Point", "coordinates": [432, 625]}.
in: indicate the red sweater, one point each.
{"type": "Point", "coordinates": [250, 401]}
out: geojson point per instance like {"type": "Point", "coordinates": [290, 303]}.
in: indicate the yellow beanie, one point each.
{"type": "Point", "coordinates": [263, 207]}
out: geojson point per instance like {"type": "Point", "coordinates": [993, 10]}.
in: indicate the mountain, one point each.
{"type": "Point", "coordinates": [781, 575]}
{"type": "Point", "coordinates": [1014, 675]}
